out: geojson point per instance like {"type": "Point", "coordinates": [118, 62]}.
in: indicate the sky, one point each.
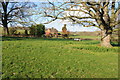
{"type": "Point", "coordinates": [34, 0]}
{"type": "Point", "coordinates": [49, 0]}
{"type": "Point", "coordinates": [58, 24]}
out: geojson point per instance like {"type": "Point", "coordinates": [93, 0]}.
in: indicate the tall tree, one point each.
{"type": "Point", "coordinates": [64, 29]}
{"type": "Point", "coordinates": [101, 14]}
{"type": "Point", "coordinates": [12, 12]}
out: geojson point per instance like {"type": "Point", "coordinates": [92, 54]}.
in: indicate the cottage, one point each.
{"type": "Point", "coordinates": [51, 32]}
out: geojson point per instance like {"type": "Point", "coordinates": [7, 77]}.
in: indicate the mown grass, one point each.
{"type": "Point", "coordinates": [22, 31]}
{"type": "Point", "coordinates": [1, 30]}
{"type": "Point", "coordinates": [90, 37]}
{"type": "Point", "coordinates": [57, 58]}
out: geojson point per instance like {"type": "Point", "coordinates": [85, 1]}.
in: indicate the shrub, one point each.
{"type": "Point", "coordinates": [65, 33]}
{"type": "Point", "coordinates": [26, 32]}
{"type": "Point", "coordinates": [64, 29]}
{"type": "Point", "coordinates": [37, 30]}
{"type": "Point", "coordinates": [12, 30]}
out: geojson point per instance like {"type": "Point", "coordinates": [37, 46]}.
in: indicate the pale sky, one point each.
{"type": "Point", "coordinates": [50, 0]}
{"type": "Point", "coordinates": [58, 24]}
{"type": "Point", "coordinates": [35, 0]}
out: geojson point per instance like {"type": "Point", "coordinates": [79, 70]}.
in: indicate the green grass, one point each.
{"type": "Point", "coordinates": [90, 37]}
{"type": "Point", "coordinates": [19, 30]}
{"type": "Point", "coordinates": [57, 58]}
{"type": "Point", "coordinates": [22, 31]}
{"type": "Point", "coordinates": [1, 30]}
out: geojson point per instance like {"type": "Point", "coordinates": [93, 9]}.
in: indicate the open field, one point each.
{"type": "Point", "coordinates": [57, 58]}
{"type": "Point", "coordinates": [59, 39]}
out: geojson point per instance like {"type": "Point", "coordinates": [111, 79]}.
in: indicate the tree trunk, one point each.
{"type": "Point", "coordinates": [5, 17]}
{"type": "Point", "coordinates": [7, 30]}
{"type": "Point", "coordinates": [106, 39]}
{"type": "Point", "coordinates": [6, 25]}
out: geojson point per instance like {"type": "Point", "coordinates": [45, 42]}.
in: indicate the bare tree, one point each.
{"type": "Point", "coordinates": [99, 14]}
{"type": "Point", "coordinates": [12, 12]}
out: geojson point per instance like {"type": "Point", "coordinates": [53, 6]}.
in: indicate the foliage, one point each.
{"type": "Point", "coordinates": [26, 32]}
{"type": "Point", "coordinates": [37, 30]}
{"type": "Point", "coordinates": [65, 33]}
{"type": "Point", "coordinates": [12, 30]}
{"type": "Point", "coordinates": [57, 58]}
{"type": "Point", "coordinates": [64, 29]}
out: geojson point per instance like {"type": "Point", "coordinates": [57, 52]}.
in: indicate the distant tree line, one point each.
{"type": "Point", "coordinates": [34, 30]}
{"type": "Point", "coordinates": [37, 30]}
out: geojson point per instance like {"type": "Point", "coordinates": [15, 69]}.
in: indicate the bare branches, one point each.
{"type": "Point", "coordinates": [15, 12]}
{"type": "Point", "coordinates": [104, 13]}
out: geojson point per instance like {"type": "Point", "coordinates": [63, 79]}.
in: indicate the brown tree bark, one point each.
{"type": "Point", "coordinates": [7, 29]}
{"type": "Point", "coordinates": [5, 25]}
{"type": "Point", "coordinates": [106, 39]}
{"type": "Point", "coordinates": [5, 17]}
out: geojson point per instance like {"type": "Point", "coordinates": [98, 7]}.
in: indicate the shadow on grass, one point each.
{"type": "Point", "coordinates": [32, 38]}
{"type": "Point", "coordinates": [89, 42]}
{"type": "Point", "coordinates": [115, 44]}
{"type": "Point", "coordinates": [12, 38]}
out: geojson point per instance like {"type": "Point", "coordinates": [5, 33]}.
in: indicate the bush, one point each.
{"type": "Point", "coordinates": [12, 30]}
{"type": "Point", "coordinates": [37, 30]}
{"type": "Point", "coordinates": [26, 32]}
{"type": "Point", "coordinates": [64, 29]}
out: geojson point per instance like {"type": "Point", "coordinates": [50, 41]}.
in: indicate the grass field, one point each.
{"type": "Point", "coordinates": [1, 30]}
{"type": "Point", "coordinates": [57, 58]}
{"type": "Point", "coordinates": [88, 37]}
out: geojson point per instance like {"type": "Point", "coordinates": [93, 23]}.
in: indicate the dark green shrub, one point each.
{"type": "Point", "coordinates": [26, 32]}
{"type": "Point", "coordinates": [32, 30]}
{"type": "Point", "coordinates": [37, 30]}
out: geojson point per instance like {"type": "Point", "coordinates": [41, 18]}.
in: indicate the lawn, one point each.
{"type": "Point", "coordinates": [87, 37]}
{"type": "Point", "coordinates": [1, 30]}
{"type": "Point", "coordinates": [57, 58]}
